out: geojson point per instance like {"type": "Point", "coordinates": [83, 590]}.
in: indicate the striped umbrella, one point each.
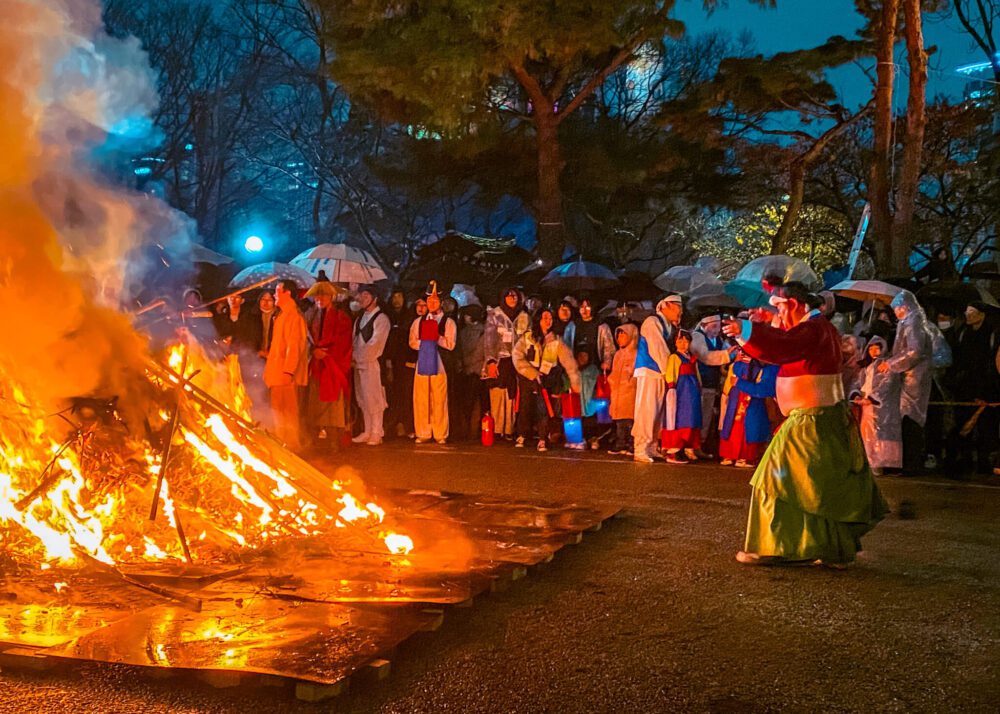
{"type": "Point", "coordinates": [342, 263]}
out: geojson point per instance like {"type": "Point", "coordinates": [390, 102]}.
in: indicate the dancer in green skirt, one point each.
{"type": "Point", "coordinates": [813, 493]}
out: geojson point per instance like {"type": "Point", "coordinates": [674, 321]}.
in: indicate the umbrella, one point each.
{"type": "Point", "coordinates": [713, 303]}
{"type": "Point", "coordinates": [636, 286]}
{"type": "Point", "coordinates": [201, 254]}
{"type": "Point", "coordinates": [955, 295]}
{"type": "Point", "coordinates": [465, 295]}
{"type": "Point", "coordinates": [866, 290]}
{"type": "Point", "coordinates": [580, 275]}
{"type": "Point", "coordinates": [688, 278]}
{"type": "Point", "coordinates": [278, 271]}
{"type": "Point", "coordinates": [342, 263]}
{"type": "Point", "coordinates": [748, 288]}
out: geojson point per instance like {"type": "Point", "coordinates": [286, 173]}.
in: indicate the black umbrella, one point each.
{"type": "Point", "coordinates": [580, 276]}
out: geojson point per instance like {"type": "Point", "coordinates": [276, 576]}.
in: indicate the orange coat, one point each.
{"type": "Point", "coordinates": [289, 351]}
{"type": "Point", "coordinates": [621, 378]}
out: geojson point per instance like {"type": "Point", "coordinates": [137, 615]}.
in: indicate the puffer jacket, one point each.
{"type": "Point", "coordinates": [621, 379]}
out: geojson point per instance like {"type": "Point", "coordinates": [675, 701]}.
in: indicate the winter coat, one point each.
{"type": "Point", "coordinates": [596, 339]}
{"type": "Point", "coordinates": [912, 358]}
{"type": "Point", "coordinates": [622, 379]}
{"type": "Point", "coordinates": [532, 359]}
{"type": "Point", "coordinates": [471, 348]}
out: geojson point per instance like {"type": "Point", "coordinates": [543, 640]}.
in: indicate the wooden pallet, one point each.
{"type": "Point", "coordinates": [18, 657]}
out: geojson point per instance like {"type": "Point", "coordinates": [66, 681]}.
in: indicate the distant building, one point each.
{"type": "Point", "coordinates": [981, 84]}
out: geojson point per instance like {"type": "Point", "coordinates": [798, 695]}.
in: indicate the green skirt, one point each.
{"type": "Point", "coordinates": [813, 493]}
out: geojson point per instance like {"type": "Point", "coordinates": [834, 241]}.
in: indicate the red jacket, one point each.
{"type": "Point", "coordinates": [809, 357]}
{"type": "Point", "coordinates": [333, 373]}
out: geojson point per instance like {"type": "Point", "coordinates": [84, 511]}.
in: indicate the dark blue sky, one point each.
{"type": "Point", "coordinates": [797, 24]}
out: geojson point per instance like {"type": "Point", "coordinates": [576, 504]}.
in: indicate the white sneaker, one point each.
{"type": "Point", "coordinates": [360, 438]}
{"type": "Point", "coordinates": [519, 444]}
{"type": "Point", "coordinates": [642, 458]}
{"type": "Point", "coordinates": [542, 445]}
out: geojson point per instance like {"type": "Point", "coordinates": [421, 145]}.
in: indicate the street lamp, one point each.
{"type": "Point", "coordinates": [253, 244]}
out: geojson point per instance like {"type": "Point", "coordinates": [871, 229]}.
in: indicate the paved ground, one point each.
{"type": "Point", "coordinates": [652, 614]}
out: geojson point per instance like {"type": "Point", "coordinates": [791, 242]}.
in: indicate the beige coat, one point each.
{"type": "Point", "coordinates": [289, 352]}
{"type": "Point", "coordinates": [622, 379]}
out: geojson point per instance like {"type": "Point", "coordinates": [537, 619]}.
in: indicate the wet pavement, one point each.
{"type": "Point", "coordinates": [652, 613]}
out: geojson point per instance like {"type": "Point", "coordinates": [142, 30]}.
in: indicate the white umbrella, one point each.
{"type": "Point", "coordinates": [687, 279]}
{"type": "Point", "coordinates": [342, 263]}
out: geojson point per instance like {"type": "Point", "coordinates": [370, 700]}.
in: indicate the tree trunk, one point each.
{"type": "Point", "coordinates": [880, 184]}
{"type": "Point", "coordinates": [551, 229]}
{"type": "Point", "coordinates": [796, 193]}
{"type": "Point", "coordinates": [916, 120]}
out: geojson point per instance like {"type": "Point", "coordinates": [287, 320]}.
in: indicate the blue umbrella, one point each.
{"type": "Point", "coordinates": [747, 286]}
{"type": "Point", "coordinates": [279, 271]}
{"type": "Point", "coordinates": [580, 275]}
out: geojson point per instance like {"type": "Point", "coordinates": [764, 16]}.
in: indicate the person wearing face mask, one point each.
{"type": "Point", "coordinates": [564, 326]}
{"type": "Point", "coordinates": [813, 492]}
{"type": "Point", "coordinates": [431, 335]}
{"type": "Point", "coordinates": [911, 357]}
{"type": "Point", "coordinates": [371, 331]}
{"type": "Point", "coordinates": [976, 379]}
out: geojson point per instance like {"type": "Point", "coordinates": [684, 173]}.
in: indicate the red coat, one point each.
{"type": "Point", "coordinates": [333, 373]}
{"type": "Point", "coordinates": [809, 359]}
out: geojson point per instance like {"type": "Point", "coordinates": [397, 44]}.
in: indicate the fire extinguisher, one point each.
{"type": "Point", "coordinates": [487, 425]}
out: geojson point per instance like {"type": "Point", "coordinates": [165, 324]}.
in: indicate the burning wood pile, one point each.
{"type": "Point", "coordinates": [197, 484]}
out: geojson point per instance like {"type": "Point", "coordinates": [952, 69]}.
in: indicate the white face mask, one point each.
{"type": "Point", "coordinates": [944, 324]}
{"type": "Point", "coordinates": [355, 306]}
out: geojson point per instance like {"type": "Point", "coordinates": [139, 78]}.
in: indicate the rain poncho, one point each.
{"type": "Point", "coordinates": [881, 424]}
{"type": "Point", "coordinates": [912, 358]}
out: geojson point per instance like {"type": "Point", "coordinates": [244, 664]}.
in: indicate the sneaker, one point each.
{"type": "Point", "coordinates": [442, 441]}
{"type": "Point", "coordinates": [677, 458]}
{"type": "Point", "coordinates": [627, 452]}
{"type": "Point", "coordinates": [595, 444]}
{"type": "Point", "coordinates": [641, 458]}
{"type": "Point", "coordinates": [726, 462]}
{"type": "Point", "coordinates": [321, 434]}
{"type": "Point", "coordinates": [614, 452]}
{"type": "Point", "coordinates": [743, 464]}
{"type": "Point", "coordinates": [931, 462]}
{"type": "Point", "coordinates": [359, 439]}
{"type": "Point", "coordinates": [577, 447]}
{"type": "Point", "coordinates": [374, 442]}
{"type": "Point", "coordinates": [691, 454]}
{"type": "Point", "coordinates": [542, 446]}
{"type": "Point", "coordinates": [420, 440]}
{"type": "Point", "coordinates": [519, 444]}
{"type": "Point", "coordinates": [656, 453]}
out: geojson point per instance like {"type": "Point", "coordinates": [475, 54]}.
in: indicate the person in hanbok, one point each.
{"type": "Point", "coordinates": [813, 492]}
{"type": "Point", "coordinates": [329, 394]}
{"type": "Point", "coordinates": [681, 435]}
{"type": "Point", "coordinates": [746, 428]}
{"type": "Point", "coordinates": [431, 336]}
{"type": "Point", "coordinates": [877, 393]}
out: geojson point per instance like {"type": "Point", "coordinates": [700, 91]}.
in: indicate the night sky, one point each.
{"type": "Point", "coordinates": [797, 24]}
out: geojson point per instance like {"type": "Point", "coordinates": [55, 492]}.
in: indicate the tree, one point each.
{"type": "Point", "coordinates": [760, 93]}
{"type": "Point", "coordinates": [439, 64]}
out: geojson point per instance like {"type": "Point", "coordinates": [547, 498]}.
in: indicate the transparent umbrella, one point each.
{"type": "Point", "coordinates": [341, 263]}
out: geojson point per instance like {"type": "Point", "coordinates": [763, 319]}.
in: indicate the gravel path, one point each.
{"type": "Point", "coordinates": [652, 613]}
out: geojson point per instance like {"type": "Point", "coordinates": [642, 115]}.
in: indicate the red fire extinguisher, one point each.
{"type": "Point", "coordinates": [487, 425]}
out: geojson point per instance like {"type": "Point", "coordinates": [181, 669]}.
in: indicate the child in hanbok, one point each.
{"type": "Point", "coordinates": [877, 393]}
{"type": "Point", "coordinates": [745, 429]}
{"type": "Point", "coordinates": [681, 435]}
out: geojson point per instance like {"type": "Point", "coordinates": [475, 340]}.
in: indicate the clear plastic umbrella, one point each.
{"type": "Point", "coordinates": [341, 263]}
{"type": "Point", "coordinates": [580, 275]}
{"type": "Point", "coordinates": [688, 279]}
{"type": "Point", "coordinates": [748, 288]}
{"type": "Point", "coordinates": [279, 271]}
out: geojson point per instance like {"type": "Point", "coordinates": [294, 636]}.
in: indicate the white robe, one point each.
{"type": "Point", "coordinates": [368, 387]}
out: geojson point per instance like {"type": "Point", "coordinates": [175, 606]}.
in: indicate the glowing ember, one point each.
{"type": "Point", "coordinates": [398, 544]}
{"type": "Point", "coordinates": [60, 586]}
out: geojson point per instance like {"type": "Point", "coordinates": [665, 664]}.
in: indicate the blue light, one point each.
{"type": "Point", "coordinates": [573, 429]}
{"type": "Point", "coordinates": [253, 244]}
{"type": "Point", "coordinates": [188, 147]}
{"type": "Point", "coordinates": [143, 171]}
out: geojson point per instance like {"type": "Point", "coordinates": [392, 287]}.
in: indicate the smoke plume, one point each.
{"type": "Point", "coordinates": [65, 233]}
